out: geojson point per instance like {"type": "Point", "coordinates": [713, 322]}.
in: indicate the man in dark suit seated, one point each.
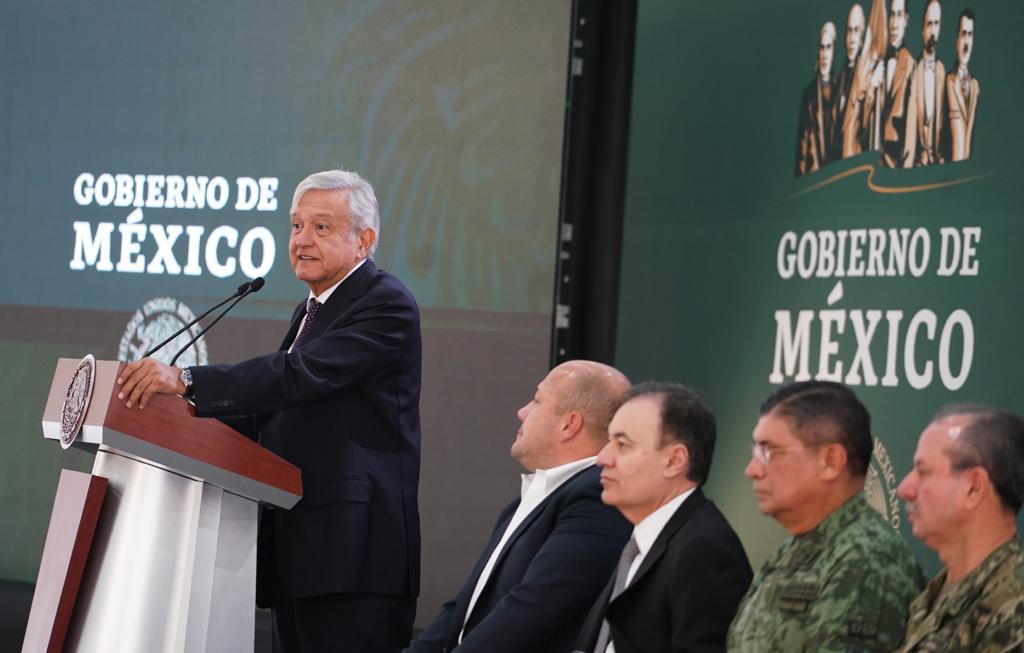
{"type": "Point", "coordinates": [551, 549]}
{"type": "Point", "coordinates": [683, 572]}
{"type": "Point", "coordinates": [340, 400]}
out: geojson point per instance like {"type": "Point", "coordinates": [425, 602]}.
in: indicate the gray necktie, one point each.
{"type": "Point", "coordinates": [312, 308]}
{"type": "Point", "coordinates": [629, 554]}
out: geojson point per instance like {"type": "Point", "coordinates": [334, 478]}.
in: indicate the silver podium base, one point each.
{"type": "Point", "coordinates": [172, 566]}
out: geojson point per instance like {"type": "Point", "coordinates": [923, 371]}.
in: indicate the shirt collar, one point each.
{"type": "Point", "coordinates": [325, 295]}
{"type": "Point", "coordinates": [837, 520]}
{"type": "Point", "coordinates": [650, 527]}
{"type": "Point", "coordinates": [974, 583]}
{"type": "Point", "coordinates": [549, 479]}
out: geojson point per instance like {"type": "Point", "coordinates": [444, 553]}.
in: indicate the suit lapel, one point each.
{"type": "Point", "coordinates": [919, 97]}
{"type": "Point", "coordinates": [354, 287]}
{"type": "Point", "coordinates": [459, 614]}
{"type": "Point", "coordinates": [939, 73]}
{"type": "Point", "coordinates": [819, 135]}
{"type": "Point", "coordinates": [592, 627]}
{"type": "Point", "coordinates": [973, 104]}
{"type": "Point", "coordinates": [904, 72]}
{"type": "Point", "coordinates": [940, 79]}
{"type": "Point", "coordinates": [536, 512]}
{"type": "Point", "coordinates": [293, 328]}
{"type": "Point", "coordinates": [676, 522]}
{"type": "Point", "coordinates": [499, 530]}
{"type": "Point", "coordinates": [348, 291]}
{"type": "Point", "coordinates": [958, 96]}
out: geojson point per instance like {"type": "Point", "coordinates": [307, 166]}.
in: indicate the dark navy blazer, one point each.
{"type": "Point", "coordinates": [544, 581]}
{"type": "Point", "coordinates": [344, 408]}
{"type": "Point", "coordinates": [685, 592]}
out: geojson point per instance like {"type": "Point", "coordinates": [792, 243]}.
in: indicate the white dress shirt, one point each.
{"type": "Point", "coordinates": [323, 297]}
{"type": "Point", "coordinates": [646, 532]}
{"type": "Point", "coordinates": [929, 89]}
{"type": "Point", "coordinates": [536, 487]}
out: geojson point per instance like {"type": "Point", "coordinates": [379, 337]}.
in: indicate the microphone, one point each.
{"type": "Point", "coordinates": [252, 286]}
{"type": "Point", "coordinates": [241, 290]}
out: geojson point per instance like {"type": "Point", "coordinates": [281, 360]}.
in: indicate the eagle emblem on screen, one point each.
{"type": "Point", "coordinates": [155, 321]}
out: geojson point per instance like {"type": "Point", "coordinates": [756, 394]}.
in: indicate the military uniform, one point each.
{"type": "Point", "coordinates": [844, 586]}
{"type": "Point", "coordinates": [983, 613]}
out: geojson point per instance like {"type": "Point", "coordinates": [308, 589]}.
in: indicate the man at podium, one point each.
{"type": "Point", "coordinates": [340, 400]}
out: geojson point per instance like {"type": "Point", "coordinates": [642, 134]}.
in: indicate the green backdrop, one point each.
{"type": "Point", "coordinates": [712, 193]}
{"type": "Point", "coordinates": [454, 110]}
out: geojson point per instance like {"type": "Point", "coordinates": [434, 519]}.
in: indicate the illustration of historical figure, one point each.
{"type": "Point", "coordinates": [861, 118]}
{"type": "Point", "coordinates": [962, 91]}
{"type": "Point", "coordinates": [891, 126]}
{"type": "Point", "coordinates": [844, 83]}
{"type": "Point", "coordinates": [815, 122]}
{"type": "Point", "coordinates": [925, 111]}
{"type": "Point", "coordinates": [884, 100]}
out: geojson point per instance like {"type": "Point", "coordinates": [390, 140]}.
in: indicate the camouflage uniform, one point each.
{"type": "Point", "coordinates": [982, 613]}
{"type": "Point", "coordinates": [844, 586]}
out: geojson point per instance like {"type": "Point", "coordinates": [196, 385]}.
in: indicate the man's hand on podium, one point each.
{"type": "Point", "coordinates": [141, 379]}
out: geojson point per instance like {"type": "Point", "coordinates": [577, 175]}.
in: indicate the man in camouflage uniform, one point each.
{"type": "Point", "coordinates": [844, 579]}
{"type": "Point", "coordinates": [962, 496]}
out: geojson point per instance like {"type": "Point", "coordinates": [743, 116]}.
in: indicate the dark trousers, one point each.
{"type": "Point", "coordinates": [343, 623]}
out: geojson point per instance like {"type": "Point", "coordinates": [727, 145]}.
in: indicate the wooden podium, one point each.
{"type": "Point", "coordinates": [156, 550]}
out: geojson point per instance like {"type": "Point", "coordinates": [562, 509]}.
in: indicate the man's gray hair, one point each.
{"type": "Point", "coordinates": [362, 202]}
{"type": "Point", "coordinates": [993, 440]}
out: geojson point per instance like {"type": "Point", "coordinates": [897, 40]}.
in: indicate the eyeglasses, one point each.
{"type": "Point", "coordinates": [763, 453]}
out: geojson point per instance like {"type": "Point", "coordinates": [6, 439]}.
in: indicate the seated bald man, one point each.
{"type": "Point", "coordinates": [552, 548]}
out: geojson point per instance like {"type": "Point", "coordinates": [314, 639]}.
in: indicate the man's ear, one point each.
{"type": "Point", "coordinates": [366, 237]}
{"type": "Point", "coordinates": [979, 485]}
{"type": "Point", "coordinates": [678, 460]}
{"type": "Point", "coordinates": [832, 460]}
{"type": "Point", "coordinates": [572, 423]}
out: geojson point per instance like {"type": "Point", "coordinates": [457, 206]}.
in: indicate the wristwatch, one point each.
{"type": "Point", "coordinates": [186, 378]}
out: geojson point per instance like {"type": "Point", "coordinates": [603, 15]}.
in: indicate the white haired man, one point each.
{"type": "Point", "coordinates": [340, 400]}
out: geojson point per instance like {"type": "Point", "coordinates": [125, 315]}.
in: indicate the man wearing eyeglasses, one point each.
{"type": "Point", "coordinates": [844, 579]}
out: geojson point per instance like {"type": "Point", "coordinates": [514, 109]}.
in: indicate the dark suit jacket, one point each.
{"type": "Point", "coordinates": [962, 112]}
{"type": "Point", "coordinates": [686, 591]}
{"type": "Point", "coordinates": [344, 408]}
{"type": "Point", "coordinates": [546, 577]}
{"type": "Point", "coordinates": [894, 112]}
{"type": "Point", "coordinates": [814, 126]}
{"type": "Point", "coordinates": [840, 100]}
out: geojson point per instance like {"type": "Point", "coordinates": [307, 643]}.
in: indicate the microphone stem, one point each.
{"type": "Point", "coordinates": [189, 325]}
{"type": "Point", "coordinates": [207, 327]}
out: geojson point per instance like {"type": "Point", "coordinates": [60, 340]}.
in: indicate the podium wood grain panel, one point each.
{"type": "Point", "coordinates": [76, 511]}
{"type": "Point", "coordinates": [182, 496]}
{"type": "Point", "coordinates": [170, 422]}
